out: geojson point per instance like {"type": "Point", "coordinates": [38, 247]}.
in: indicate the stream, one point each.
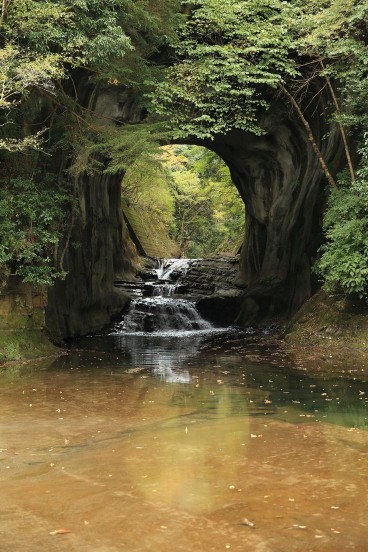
{"type": "Point", "coordinates": [166, 434]}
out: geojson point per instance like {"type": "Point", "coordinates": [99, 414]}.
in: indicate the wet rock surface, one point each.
{"type": "Point", "coordinates": [209, 284]}
{"type": "Point", "coordinates": [207, 277]}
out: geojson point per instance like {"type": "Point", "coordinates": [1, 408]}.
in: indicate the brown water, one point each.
{"type": "Point", "coordinates": [181, 444]}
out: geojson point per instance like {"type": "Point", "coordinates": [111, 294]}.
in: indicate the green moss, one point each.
{"type": "Point", "coordinates": [23, 344]}
{"type": "Point", "coordinates": [330, 322]}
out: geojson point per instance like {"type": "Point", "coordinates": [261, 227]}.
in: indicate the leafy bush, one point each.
{"type": "Point", "coordinates": [32, 216]}
{"type": "Point", "coordinates": [344, 261]}
{"type": "Point", "coordinates": [231, 55]}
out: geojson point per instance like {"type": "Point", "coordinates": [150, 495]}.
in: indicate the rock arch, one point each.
{"type": "Point", "coordinates": [283, 187]}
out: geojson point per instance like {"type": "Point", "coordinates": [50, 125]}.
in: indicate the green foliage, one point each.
{"type": "Point", "coordinates": [31, 222]}
{"type": "Point", "coordinates": [209, 214]}
{"type": "Point", "coordinates": [44, 43]}
{"type": "Point", "coordinates": [361, 184]}
{"type": "Point", "coordinates": [93, 34]}
{"type": "Point", "coordinates": [191, 191]}
{"type": "Point", "coordinates": [145, 185]}
{"type": "Point", "coordinates": [78, 32]}
{"type": "Point", "coordinates": [232, 54]}
{"type": "Point", "coordinates": [123, 146]}
{"type": "Point", "coordinates": [24, 342]}
{"type": "Point", "coordinates": [334, 38]}
{"type": "Point", "coordinates": [344, 260]}
{"type": "Point", "coordinates": [335, 32]}
{"type": "Point", "coordinates": [10, 352]}
{"type": "Point", "coordinates": [194, 227]}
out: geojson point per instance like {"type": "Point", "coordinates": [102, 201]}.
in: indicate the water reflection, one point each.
{"type": "Point", "coordinates": [168, 444]}
{"type": "Point", "coordinates": [162, 352]}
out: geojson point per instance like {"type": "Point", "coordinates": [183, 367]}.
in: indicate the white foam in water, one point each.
{"type": "Point", "coordinates": [163, 313]}
{"type": "Point", "coordinates": [167, 266]}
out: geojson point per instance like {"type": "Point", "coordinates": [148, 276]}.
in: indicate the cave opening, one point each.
{"type": "Point", "coordinates": [181, 203]}
{"type": "Point", "coordinates": [278, 178]}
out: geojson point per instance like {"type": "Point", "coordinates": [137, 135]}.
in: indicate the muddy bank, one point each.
{"type": "Point", "coordinates": [330, 327]}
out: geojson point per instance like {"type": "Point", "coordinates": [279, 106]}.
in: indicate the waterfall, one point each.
{"type": "Point", "coordinates": [166, 267]}
{"type": "Point", "coordinates": [155, 314]}
{"type": "Point", "coordinates": [162, 311]}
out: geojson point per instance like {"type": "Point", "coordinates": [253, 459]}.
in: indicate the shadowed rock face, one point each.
{"type": "Point", "coordinates": [87, 299]}
{"type": "Point", "coordinates": [100, 249]}
{"type": "Point", "coordinates": [281, 182]}
{"type": "Point", "coordinates": [280, 179]}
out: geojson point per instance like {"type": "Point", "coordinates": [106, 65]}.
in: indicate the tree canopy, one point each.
{"type": "Point", "coordinates": [189, 189]}
{"type": "Point", "coordinates": [199, 69]}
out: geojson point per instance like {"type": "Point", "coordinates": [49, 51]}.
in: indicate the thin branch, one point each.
{"type": "Point", "coordinates": [79, 118]}
{"type": "Point", "coordinates": [341, 126]}
{"type": "Point", "coordinates": [310, 135]}
{"type": "Point", "coordinates": [319, 93]}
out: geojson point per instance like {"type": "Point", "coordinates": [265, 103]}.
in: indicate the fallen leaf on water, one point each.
{"type": "Point", "coordinates": [60, 532]}
{"type": "Point", "coordinates": [247, 522]}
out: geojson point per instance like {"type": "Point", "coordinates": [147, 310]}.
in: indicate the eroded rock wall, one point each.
{"type": "Point", "coordinates": [87, 299]}
{"type": "Point", "coordinates": [99, 249]}
{"type": "Point", "coordinates": [280, 179]}
{"type": "Point", "coordinates": [22, 322]}
{"type": "Point", "coordinates": [212, 284]}
{"type": "Point", "coordinates": [208, 276]}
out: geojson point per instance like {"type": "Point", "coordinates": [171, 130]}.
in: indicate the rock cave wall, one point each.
{"type": "Point", "coordinates": [278, 176]}
{"type": "Point", "coordinates": [281, 181]}
{"type": "Point", "coordinates": [99, 250]}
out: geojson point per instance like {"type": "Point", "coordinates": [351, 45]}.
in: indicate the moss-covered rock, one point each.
{"type": "Point", "coordinates": [330, 322]}
{"type": "Point", "coordinates": [22, 322]}
{"type": "Point", "coordinates": [25, 345]}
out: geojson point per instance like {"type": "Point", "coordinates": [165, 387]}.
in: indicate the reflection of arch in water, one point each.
{"type": "Point", "coordinates": [165, 356]}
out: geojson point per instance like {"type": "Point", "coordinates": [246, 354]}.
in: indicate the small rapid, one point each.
{"type": "Point", "coordinates": [167, 267]}
{"type": "Point", "coordinates": [156, 314]}
{"type": "Point", "coordinates": [162, 311]}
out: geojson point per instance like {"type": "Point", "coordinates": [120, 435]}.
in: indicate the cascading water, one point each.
{"type": "Point", "coordinates": [162, 311]}
{"type": "Point", "coordinates": [152, 314]}
{"type": "Point", "coordinates": [166, 267]}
